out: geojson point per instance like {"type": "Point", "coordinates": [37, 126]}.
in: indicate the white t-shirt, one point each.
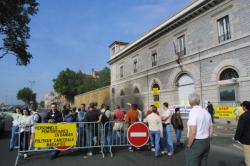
{"type": "Point", "coordinates": [107, 113]}
{"type": "Point", "coordinates": [154, 122]}
{"type": "Point", "coordinates": [201, 118]}
{"type": "Point", "coordinates": [26, 121]}
{"type": "Point", "coordinates": [165, 114]}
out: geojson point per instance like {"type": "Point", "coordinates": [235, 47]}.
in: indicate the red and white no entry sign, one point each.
{"type": "Point", "coordinates": [138, 134]}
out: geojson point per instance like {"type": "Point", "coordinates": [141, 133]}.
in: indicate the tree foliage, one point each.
{"type": "Point", "coordinates": [27, 96]}
{"type": "Point", "coordinates": [14, 31]}
{"type": "Point", "coordinates": [70, 83]}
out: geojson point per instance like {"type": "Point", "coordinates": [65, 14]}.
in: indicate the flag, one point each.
{"type": "Point", "coordinates": [177, 54]}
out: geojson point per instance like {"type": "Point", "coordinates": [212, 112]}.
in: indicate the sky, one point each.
{"type": "Point", "coordinates": [76, 34]}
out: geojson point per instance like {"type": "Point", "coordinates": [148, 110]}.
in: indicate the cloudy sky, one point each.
{"type": "Point", "coordinates": [76, 34]}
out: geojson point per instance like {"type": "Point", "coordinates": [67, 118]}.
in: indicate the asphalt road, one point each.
{"type": "Point", "coordinates": [224, 152]}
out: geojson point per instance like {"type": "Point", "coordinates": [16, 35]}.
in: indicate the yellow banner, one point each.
{"type": "Point", "coordinates": [226, 111]}
{"type": "Point", "coordinates": [157, 104]}
{"type": "Point", "coordinates": [155, 91]}
{"type": "Point", "coordinates": [53, 135]}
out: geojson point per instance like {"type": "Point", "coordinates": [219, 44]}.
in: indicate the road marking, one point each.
{"type": "Point", "coordinates": [138, 134]}
{"type": "Point", "coordinates": [237, 146]}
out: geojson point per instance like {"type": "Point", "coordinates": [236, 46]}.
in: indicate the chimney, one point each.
{"type": "Point", "coordinates": [117, 46]}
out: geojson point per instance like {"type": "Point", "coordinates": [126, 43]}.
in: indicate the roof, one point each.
{"type": "Point", "coordinates": [118, 42]}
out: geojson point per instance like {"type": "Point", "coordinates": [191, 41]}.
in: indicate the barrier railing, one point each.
{"type": "Point", "coordinates": [89, 135]}
{"type": "Point", "coordinates": [85, 135]}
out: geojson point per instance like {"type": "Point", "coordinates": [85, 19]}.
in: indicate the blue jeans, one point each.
{"type": "Point", "coordinates": [169, 147]}
{"type": "Point", "coordinates": [178, 136]}
{"type": "Point", "coordinates": [108, 137]}
{"type": "Point", "coordinates": [14, 137]}
{"type": "Point", "coordinates": [157, 137]}
{"type": "Point", "coordinates": [89, 134]}
{"type": "Point", "coordinates": [152, 140]}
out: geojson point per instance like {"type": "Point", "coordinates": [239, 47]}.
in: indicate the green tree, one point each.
{"type": "Point", "coordinates": [27, 96]}
{"type": "Point", "coordinates": [104, 77]}
{"type": "Point", "coordinates": [70, 83]}
{"type": "Point", "coordinates": [42, 104]}
{"type": "Point", "coordinates": [66, 84]}
{"type": "Point", "coordinates": [14, 30]}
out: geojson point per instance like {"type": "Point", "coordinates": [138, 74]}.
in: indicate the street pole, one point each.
{"type": "Point", "coordinates": [200, 75]}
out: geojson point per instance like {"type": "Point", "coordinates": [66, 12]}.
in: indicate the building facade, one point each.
{"type": "Point", "coordinates": [204, 48]}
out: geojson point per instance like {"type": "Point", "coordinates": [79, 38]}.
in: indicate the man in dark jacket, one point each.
{"type": "Point", "coordinates": [210, 109]}
{"type": "Point", "coordinates": [54, 116]}
{"type": "Point", "coordinates": [177, 125]}
{"type": "Point", "coordinates": [92, 128]}
{"type": "Point", "coordinates": [243, 131]}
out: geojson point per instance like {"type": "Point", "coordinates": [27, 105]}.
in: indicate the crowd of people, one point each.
{"type": "Point", "coordinates": [161, 124]}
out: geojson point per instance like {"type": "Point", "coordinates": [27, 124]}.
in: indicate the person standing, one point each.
{"type": "Point", "coordinates": [92, 117]}
{"type": "Point", "coordinates": [54, 116]}
{"type": "Point", "coordinates": [24, 128]}
{"type": "Point", "coordinates": [130, 118]}
{"type": "Point", "coordinates": [243, 131]}
{"type": "Point", "coordinates": [14, 129]}
{"type": "Point", "coordinates": [167, 130]}
{"type": "Point", "coordinates": [200, 129]}
{"type": "Point", "coordinates": [177, 125]}
{"type": "Point", "coordinates": [118, 125]}
{"type": "Point", "coordinates": [36, 118]}
{"type": "Point", "coordinates": [81, 131]}
{"type": "Point", "coordinates": [210, 109]}
{"type": "Point", "coordinates": [155, 129]}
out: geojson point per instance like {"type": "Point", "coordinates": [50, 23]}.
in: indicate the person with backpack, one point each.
{"type": "Point", "coordinates": [105, 118]}
{"type": "Point", "coordinates": [177, 125]}
{"type": "Point", "coordinates": [36, 118]}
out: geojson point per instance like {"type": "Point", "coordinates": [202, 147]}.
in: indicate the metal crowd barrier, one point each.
{"type": "Point", "coordinates": [89, 135]}
{"type": "Point", "coordinates": [115, 135]}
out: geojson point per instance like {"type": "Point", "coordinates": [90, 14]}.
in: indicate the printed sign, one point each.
{"type": "Point", "coordinates": [54, 135]}
{"type": "Point", "coordinates": [225, 111]}
{"type": "Point", "coordinates": [155, 91]}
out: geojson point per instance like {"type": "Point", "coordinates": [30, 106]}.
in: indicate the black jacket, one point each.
{"type": "Point", "coordinates": [57, 116]}
{"type": "Point", "coordinates": [243, 129]}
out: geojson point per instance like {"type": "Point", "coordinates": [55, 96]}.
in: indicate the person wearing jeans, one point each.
{"type": "Point", "coordinates": [167, 130]}
{"type": "Point", "coordinates": [155, 129]}
{"type": "Point", "coordinates": [15, 128]}
{"type": "Point", "coordinates": [177, 125]}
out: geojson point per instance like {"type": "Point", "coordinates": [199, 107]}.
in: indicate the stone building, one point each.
{"type": "Point", "coordinates": [204, 48]}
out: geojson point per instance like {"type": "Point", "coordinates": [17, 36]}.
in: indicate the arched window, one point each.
{"type": "Point", "coordinates": [136, 90]}
{"type": "Point", "coordinates": [122, 93]}
{"type": "Point", "coordinates": [185, 86]}
{"type": "Point", "coordinates": [228, 74]}
{"type": "Point", "coordinates": [228, 93]}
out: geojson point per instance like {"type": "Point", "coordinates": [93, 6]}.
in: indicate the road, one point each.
{"type": "Point", "coordinates": [224, 152]}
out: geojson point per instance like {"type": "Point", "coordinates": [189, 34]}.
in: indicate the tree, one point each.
{"type": "Point", "coordinates": [42, 104]}
{"type": "Point", "coordinates": [66, 84]}
{"type": "Point", "coordinates": [14, 31]}
{"type": "Point", "coordinates": [70, 83]}
{"type": "Point", "coordinates": [27, 96]}
{"type": "Point", "coordinates": [104, 77]}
